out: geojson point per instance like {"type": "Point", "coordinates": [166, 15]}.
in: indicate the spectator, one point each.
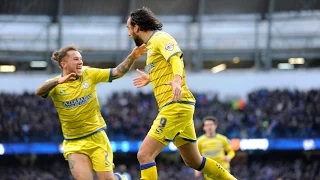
{"type": "Point", "coordinates": [265, 114]}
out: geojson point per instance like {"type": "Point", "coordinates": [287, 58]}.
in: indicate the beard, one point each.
{"type": "Point", "coordinates": [137, 40]}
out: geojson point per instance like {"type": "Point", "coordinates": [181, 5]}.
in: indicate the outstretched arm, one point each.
{"type": "Point", "coordinates": [142, 80]}
{"type": "Point", "coordinates": [125, 66]}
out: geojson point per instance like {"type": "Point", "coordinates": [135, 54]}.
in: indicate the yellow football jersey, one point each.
{"type": "Point", "coordinates": [215, 148]}
{"type": "Point", "coordinates": [77, 103]}
{"type": "Point", "coordinates": [161, 47]}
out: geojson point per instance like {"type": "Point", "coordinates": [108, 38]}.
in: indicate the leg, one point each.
{"type": "Point", "coordinates": [149, 150]}
{"type": "Point", "coordinates": [164, 129]}
{"type": "Point", "coordinates": [192, 158]}
{"type": "Point", "coordinates": [147, 153]}
{"type": "Point", "coordinates": [102, 158]}
{"type": "Point", "coordinates": [107, 175]}
{"type": "Point", "coordinates": [186, 143]}
{"type": "Point", "coordinates": [103, 165]}
{"type": "Point", "coordinates": [153, 144]}
{"type": "Point", "coordinates": [80, 166]}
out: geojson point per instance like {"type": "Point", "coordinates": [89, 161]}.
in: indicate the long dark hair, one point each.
{"type": "Point", "coordinates": [145, 19]}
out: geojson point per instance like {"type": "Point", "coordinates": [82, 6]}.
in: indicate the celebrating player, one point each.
{"type": "Point", "coordinates": [176, 103]}
{"type": "Point", "coordinates": [86, 145]}
{"type": "Point", "coordinates": [213, 145]}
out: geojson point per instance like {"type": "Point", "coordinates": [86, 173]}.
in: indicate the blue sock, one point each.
{"type": "Point", "coordinates": [118, 176]}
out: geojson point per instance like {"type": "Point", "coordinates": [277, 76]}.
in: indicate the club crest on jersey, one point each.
{"type": "Point", "coordinates": [62, 92]}
{"type": "Point", "coordinates": [169, 46]}
{"type": "Point", "coordinates": [85, 85]}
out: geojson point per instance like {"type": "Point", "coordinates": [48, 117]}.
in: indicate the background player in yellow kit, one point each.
{"type": "Point", "coordinates": [213, 145]}
{"type": "Point", "coordinates": [175, 101]}
{"type": "Point", "coordinates": [86, 145]}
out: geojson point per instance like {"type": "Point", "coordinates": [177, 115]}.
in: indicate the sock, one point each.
{"type": "Point", "coordinates": [149, 171]}
{"type": "Point", "coordinates": [214, 170]}
{"type": "Point", "coordinates": [118, 176]}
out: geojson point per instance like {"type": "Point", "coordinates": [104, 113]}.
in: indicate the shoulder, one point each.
{"type": "Point", "coordinates": [222, 137]}
{"type": "Point", "coordinates": [162, 36]}
{"type": "Point", "coordinates": [201, 138]}
{"type": "Point", "coordinates": [89, 71]}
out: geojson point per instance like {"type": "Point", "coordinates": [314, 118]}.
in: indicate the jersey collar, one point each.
{"type": "Point", "coordinates": [151, 36]}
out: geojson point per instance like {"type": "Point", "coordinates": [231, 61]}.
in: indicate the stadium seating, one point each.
{"type": "Point", "coordinates": [266, 114]}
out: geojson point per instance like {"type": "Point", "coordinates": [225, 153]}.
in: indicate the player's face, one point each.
{"type": "Point", "coordinates": [133, 33]}
{"type": "Point", "coordinates": [72, 63]}
{"type": "Point", "coordinates": [209, 126]}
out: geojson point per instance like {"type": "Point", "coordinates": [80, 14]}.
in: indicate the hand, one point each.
{"type": "Point", "coordinates": [227, 159]}
{"type": "Point", "coordinates": [176, 90]}
{"type": "Point", "coordinates": [142, 80]}
{"type": "Point", "coordinates": [71, 76]}
{"type": "Point", "coordinates": [138, 51]}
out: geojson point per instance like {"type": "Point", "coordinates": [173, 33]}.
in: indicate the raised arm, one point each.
{"type": "Point", "coordinates": [46, 87]}
{"type": "Point", "coordinates": [125, 66]}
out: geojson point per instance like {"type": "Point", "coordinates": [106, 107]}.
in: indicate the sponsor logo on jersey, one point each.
{"type": "Point", "coordinates": [62, 92]}
{"type": "Point", "coordinates": [77, 102]}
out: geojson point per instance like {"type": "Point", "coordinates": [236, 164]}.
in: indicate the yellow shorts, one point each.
{"type": "Point", "coordinates": [97, 147]}
{"type": "Point", "coordinates": [174, 123]}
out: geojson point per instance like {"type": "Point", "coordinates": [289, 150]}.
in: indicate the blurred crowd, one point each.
{"type": "Point", "coordinates": [264, 114]}
{"type": "Point", "coordinates": [271, 170]}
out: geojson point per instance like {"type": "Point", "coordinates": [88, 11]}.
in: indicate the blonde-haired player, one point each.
{"type": "Point", "coordinates": [175, 101]}
{"type": "Point", "coordinates": [213, 145]}
{"type": "Point", "coordinates": [86, 145]}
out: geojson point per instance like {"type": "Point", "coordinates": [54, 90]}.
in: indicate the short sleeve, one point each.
{"type": "Point", "coordinates": [100, 75]}
{"type": "Point", "coordinates": [168, 47]}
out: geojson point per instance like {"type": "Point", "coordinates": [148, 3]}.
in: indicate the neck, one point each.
{"type": "Point", "coordinates": [64, 73]}
{"type": "Point", "coordinates": [146, 36]}
{"type": "Point", "coordinates": [210, 134]}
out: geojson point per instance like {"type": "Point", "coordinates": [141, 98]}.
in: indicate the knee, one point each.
{"type": "Point", "coordinates": [144, 158]}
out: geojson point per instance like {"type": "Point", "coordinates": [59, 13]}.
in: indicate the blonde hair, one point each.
{"type": "Point", "coordinates": [61, 53]}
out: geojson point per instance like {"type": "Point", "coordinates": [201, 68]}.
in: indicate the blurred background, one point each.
{"type": "Point", "coordinates": [254, 64]}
